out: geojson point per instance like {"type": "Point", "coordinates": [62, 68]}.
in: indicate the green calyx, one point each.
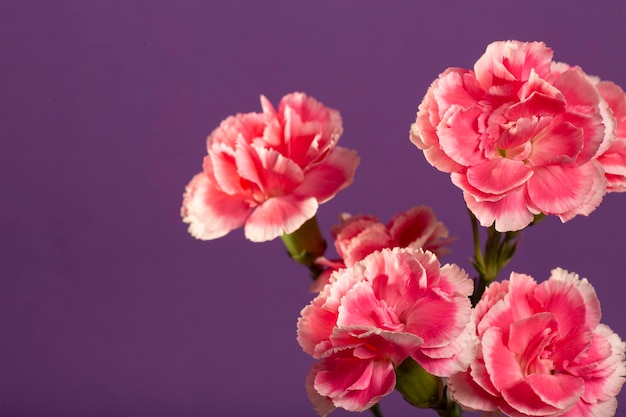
{"type": "Point", "coordinates": [305, 245]}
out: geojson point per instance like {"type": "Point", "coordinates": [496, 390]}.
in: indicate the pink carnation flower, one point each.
{"type": "Point", "coordinates": [358, 236]}
{"type": "Point", "coordinates": [519, 135]}
{"type": "Point", "coordinates": [542, 351]}
{"type": "Point", "coordinates": [268, 171]}
{"type": "Point", "coordinates": [394, 304]}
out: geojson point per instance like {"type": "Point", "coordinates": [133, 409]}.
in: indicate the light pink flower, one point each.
{"type": "Point", "coordinates": [394, 304]}
{"type": "Point", "coordinates": [268, 171]}
{"type": "Point", "coordinates": [543, 351]}
{"type": "Point", "coordinates": [519, 135]}
{"type": "Point", "coordinates": [358, 236]}
{"type": "Point", "coordinates": [614, 158]}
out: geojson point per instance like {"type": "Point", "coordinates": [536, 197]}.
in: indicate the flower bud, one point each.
{"type": "Point", "coordinates": [306, 244]}
{"type": "Point", "coordinates": [417, 386]}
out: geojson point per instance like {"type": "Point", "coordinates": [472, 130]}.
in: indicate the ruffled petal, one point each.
{"type": "Point", "coordinates": [558, 189]}
{"type": "Point", "coordinates": [464, 390]}
{"type": "Point", "coordinates": [510, 213]}
{"type": "Point", "coordinates": [559, 143]}
{"type": "Point", "coordinates": [360, 307]}
{"type": "Point", "coordinates": [458, 136]}
{"type": "Point", "coordinates": [512, 61]}
{"type": "Point", "coordinates": [279, 215]}
{"type": "Point", "coordinates": [210, 212]}
{"type": "Point", "coordinates": [333, 174]}
{"type": "Point", "coordinates": [520, 400]}
{"type": "Point", "coordinates": [501, 364]}
{"type": "Point", "coordinates": [500, 175]}
{"type": "Point", "coordinates": [273, 173]}
{"type": "Point", "coordinates": [323, 405]}
{"type": "Point", "coordinates": [354, 384]}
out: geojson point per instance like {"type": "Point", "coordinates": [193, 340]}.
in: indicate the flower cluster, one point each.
{"type": "Point", "coordinates": [523, 135]}
{"type": "Point", "coordinates": [268, 171]}
{"type": "Point", "coordinates": [394, 304]}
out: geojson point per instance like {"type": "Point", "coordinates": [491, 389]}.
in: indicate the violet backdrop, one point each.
{"type": "Point", "coordinates": [108, 307]}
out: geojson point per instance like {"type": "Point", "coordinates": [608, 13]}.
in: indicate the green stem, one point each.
{"type": "Point", "coordinates": [479, 289]}
{"type": "Point", "coordinates": [449, 408]}
{"type": "Point", "coordinates": [305, 245]}
{"type": "Point", "coordinates": [424, 390]}
{"type": "Point", "coordinates": [376, 410]}
{"type": "Point", "coordinates": [478, 256]}
{"type": "Point", "coordinates": [499, 250]}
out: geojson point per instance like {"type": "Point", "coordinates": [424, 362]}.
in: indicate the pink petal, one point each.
{"type": "Point", "coordinates": [510, 213]}
{"type": "Point", "coordinates": [451, 90]}
{"type": "Point", "coordinates": [400, 276]}
{"type": "Point", "coordinates": [560, 143]}
{"type": "Point", "coordinates": [267, 107]}
{"type": "Point", "coordinates": [501, 364]}
{"type": "Point", "coordinates": [273, 173]}
{"type": "Point", "coordinates": [454, 281]}
{"type": "Point", "coordinates": [356, 237]}
{"type": "Point", "coordinates": [494, 293]}
{"type": "Point", "coordinates": [479, 374]}
{"type": "Point", "coordinates": [563, 299]}
{"type": "Point", "coordinates": [499, 315]}
{"type": "Point", "coordinates": [614, 163]}
{"type": "Point", "coordinates": [606, 408]}
{"type": "Point", "coordinates": [279, 215]}
{"type": "Point", "coordinates": [498, 175]}
{"type": "Point", "coordinates": [418, 227]}
{"type": "Point", "coordinates": [521, 398]}
{"type": "Point", "coordinates": [605, 372]}
{"type": "Point", "coordinates": [310, 128]}
{"type": "Point", "coordinates": [447, 318]}
{"type": "Point", "coordinates": [248, 126]}
{"type": "Point", "coordinates": [318, 320]}
{"type": "Point", "coordinates": [520, 296]}
{"type": "Point", "coordinates": [354, 384]}
{"type": "Point", "coordinates": [375, 343]}
{"type": "Point", "coordinates": [515, 142]}
{"type": "Point", "coordinates": [584, 100]}
{"type": "Point", "coordinates": [529, 337]}
{"type": "Point", "coordinates": [452, 358]}
{"type": "Point", "coordinates": [360, 307]}
{"type": "Point", "coordinates": [577, 88]}
{"type": "Point", "coordinates": [322, 405]}
{"type": "Point", "coordinates": [538, 97]}
{"type": "Point", "coordinates": [587, 292]}
{"type": "Point", "coordinates": [435, 156]}
{"type": "Point", "coordinates": [466, 392]}
{"type": "Point", "coordinates": [210, 212]}
{"type": "Point", "coordinates": [593, 170]}
{"type": "Point", "coordinates": [333, 174]}
{"type": "Point", "coordinates": [558, 189]}
{"type": "Point", "coordinates": [460, 180]}
{"type": "Point", "coordinates": [616, 100]}
{"type": "Point", "coordinates": [614, 159]}
{"type": "Point", "coordinates": [224, 168]}
{"type": "Point", "coordinates": [512, 60]}
{"type": "Point", "coordinates": [315, 326]}
{"type": "Point", "coordinates": [458, 136]}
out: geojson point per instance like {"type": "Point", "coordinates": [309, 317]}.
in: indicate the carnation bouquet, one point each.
{"type": "Point", "coordinates": [523, 137]}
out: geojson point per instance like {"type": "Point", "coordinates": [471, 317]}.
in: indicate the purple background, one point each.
{"type": "Point", "coordinates": [107, 306]}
